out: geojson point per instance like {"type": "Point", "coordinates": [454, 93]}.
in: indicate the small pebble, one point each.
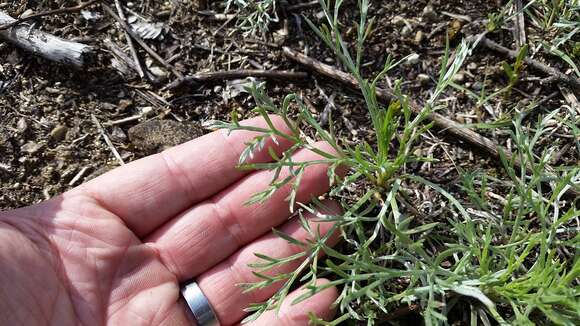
{"type": "Point", "coordinates": [398, 20]}
{"type": "Point", "coordinates": [58, 133]}
{"type": "Point", "coordinates": [158, 72]}
{"type": "Point", "coordinates": [423, 79]}
{"type": "Point", "coordinates": [30, 148]}
{"type": "Point", "coordinates": [329, 60]}
{"type": "Point", "coordinates": [22, 125]}
{"type": "Point", "coordinates": [413, 59]}
{"type": "Point", "coordinates": [459, 77]}
{"type": "Point", "coordinates": [124, 105]}
{"type": "Point", "coordinates": [147, 111]}
{"type": "Point", "coordinates": [419, 37]}
{"type": "Point", "coordinates": [472, 66]}
{"type": "Point", "coordinates": [118, 135]}
{"type": "Point", "coordinates": [429, 13]}
{"type": "Point", "coordinates": [477, 86]}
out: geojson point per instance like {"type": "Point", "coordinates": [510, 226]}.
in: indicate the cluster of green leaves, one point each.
{"type": "Point", "coordinates": [527, 256]}
{"type": "Point", "coordinates": [513, 71]}
{"type": "Point", "coordinates": [254, 16]}
{"type": "Point", "coordinates": [558, 20]}
{"type": "Point", "coordinates": [473, 253]}
{"type": "Point", "coordinates": [561, 20]}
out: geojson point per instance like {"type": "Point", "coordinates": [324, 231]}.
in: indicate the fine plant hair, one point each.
{"type": "Point", "coordinates": [514, 254]}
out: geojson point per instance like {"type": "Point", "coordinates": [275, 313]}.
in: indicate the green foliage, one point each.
{"type": "Point", "coordinates": [561, 20]}
{"type": "Point", "coordinates": [513, 71]}
{"type": "Point", "coordinates": [254, 16]}
{"type": "Point", "coordinates": [511, 254]}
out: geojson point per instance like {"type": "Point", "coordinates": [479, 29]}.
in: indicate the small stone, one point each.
{"type": "Point", "coordinates": [429, 13]}
{"type": "Point", "coordinates": [124, 105]}
{"type": "Point", "coordinates": [419, 37]}
{"type": "Point", "coordinates": [398, 21]}
{"type": "Point", "coordinates": [147, 111]}
{"type": "Point", "coordinates": [423, 79]}
{"type": "Point", "coordinates": [329, 60]}
{"type": "Point", "coordinates": [413, 59]}
{"type": "Point", "coordinates": [459, 77]}
{"type": "Point", "coordinates": [58, 133]}
{"type": "Point", "coordinates": [158, 72]}
{"type": "Point", "coordinates": [30, 147]}
{"type": "Point", "coordinates": [472, 66]}
{"type": "Point", "coordinates": [477, 86]}
{"type": "Point", "coordinates": [118, 135]}
{"type": "Point", "coordinates": [22, 125]}
{"type": "Point", "coordinates": [406, 30]}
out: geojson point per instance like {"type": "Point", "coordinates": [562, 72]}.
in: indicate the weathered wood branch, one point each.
{"type": "Point", "coordinates": [213, 76]}
{"type": "Point", "coordinates": [43, 44]}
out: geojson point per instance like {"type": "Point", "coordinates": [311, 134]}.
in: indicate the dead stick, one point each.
{"type": "Point", "coordinates": [107, 140]}
{"type": "Point", "coordinates": [570, 80]}
{"type": "Point", "coordinates": [449, 126]}
{"type": "Point", "coordinates": [140, 41]}
{"type": "Point", "coordinates": [49, 13]}
{"type": "Point", "coordinates": [138, 64]}
{"type": "Point", "coordinates": [125, 59]}
{"type": "Point", "coordinates": [235, 74]}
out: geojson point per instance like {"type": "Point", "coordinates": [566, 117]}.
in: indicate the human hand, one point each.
{"type": "Point", "coordinates": [114, 250]}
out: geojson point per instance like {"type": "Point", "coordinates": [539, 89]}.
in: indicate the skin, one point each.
{"type": "Point", "coordinates": [114, 250]}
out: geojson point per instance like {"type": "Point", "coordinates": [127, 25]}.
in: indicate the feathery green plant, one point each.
{"type": "Point", "coordinates": [561, 20]}
{"type": "Point", "coordinates": [253, 16]}
{"type": "Point", "coordinates": [511, 254]}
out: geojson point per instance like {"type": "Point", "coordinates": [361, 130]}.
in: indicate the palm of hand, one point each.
{"type": "Point", "coordinates": [84, 266]}
{"type": "Point", "coordinates": [115, 250]}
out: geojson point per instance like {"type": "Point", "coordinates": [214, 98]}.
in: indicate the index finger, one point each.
{"type": "Point", "coordinates": [148, 192]}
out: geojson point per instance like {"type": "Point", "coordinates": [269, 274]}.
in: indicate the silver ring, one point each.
{"type": "Point", "coordinates": [199, 305]}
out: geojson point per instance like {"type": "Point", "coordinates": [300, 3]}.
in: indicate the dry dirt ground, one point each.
{"type": "Point", "coordinates": [49, 141]}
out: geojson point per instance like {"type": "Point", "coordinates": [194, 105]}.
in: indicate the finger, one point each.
{"type": "Point", "coordinates": [297, 315]}
{"type": "Point", "coordinates": [148, 192]}
{"type": "Point", "coordinates": [221, 283]}
{"type": "Point", "coordinates": [213, 230]}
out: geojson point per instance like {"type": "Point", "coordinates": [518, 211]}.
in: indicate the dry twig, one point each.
{"type": "Point", "coordinates": [520, 24]}
{"type": "Point", "coordinates": [107, 140]}
{"type": "Point", "coordinates": [140, 41]}
{"type": "Point", "coordinates": [235, 74]}
{"type": "Point", "coordinates": [138, 64]}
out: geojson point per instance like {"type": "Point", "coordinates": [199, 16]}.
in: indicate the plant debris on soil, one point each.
{"type": "Point", "coordinates": [49, 142]}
